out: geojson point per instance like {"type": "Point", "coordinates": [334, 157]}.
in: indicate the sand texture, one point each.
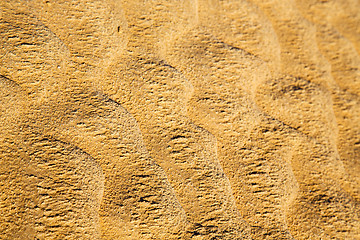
{"type": "Point", "coordinates": [179, 119]}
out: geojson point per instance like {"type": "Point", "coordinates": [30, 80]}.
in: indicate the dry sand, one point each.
{"type": "Point", "coordinates": [168, 119]}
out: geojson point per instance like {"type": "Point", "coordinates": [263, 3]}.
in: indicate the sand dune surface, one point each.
{"type": "Point", "coordinates": [167, 119]}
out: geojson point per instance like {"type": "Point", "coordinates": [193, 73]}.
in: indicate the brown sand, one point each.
{"type": "Point", "coordinates": [168, 119]}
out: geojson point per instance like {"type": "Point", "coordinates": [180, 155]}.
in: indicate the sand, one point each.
{"type": "Point", "coordinates": [170, 119]}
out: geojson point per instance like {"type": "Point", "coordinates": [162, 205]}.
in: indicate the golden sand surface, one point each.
{"type": "Point", "coordinates": [179, 119]}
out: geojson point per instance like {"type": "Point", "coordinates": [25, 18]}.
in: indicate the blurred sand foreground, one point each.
{"type": "Point", "coordinates": [169, 119]}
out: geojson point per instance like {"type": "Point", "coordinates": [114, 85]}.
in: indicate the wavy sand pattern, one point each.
{"type": "Point", "coordinates": [234, 119]}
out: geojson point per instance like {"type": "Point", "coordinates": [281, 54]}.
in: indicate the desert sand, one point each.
{"type": "Point", "coordinates": [168, 119]}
